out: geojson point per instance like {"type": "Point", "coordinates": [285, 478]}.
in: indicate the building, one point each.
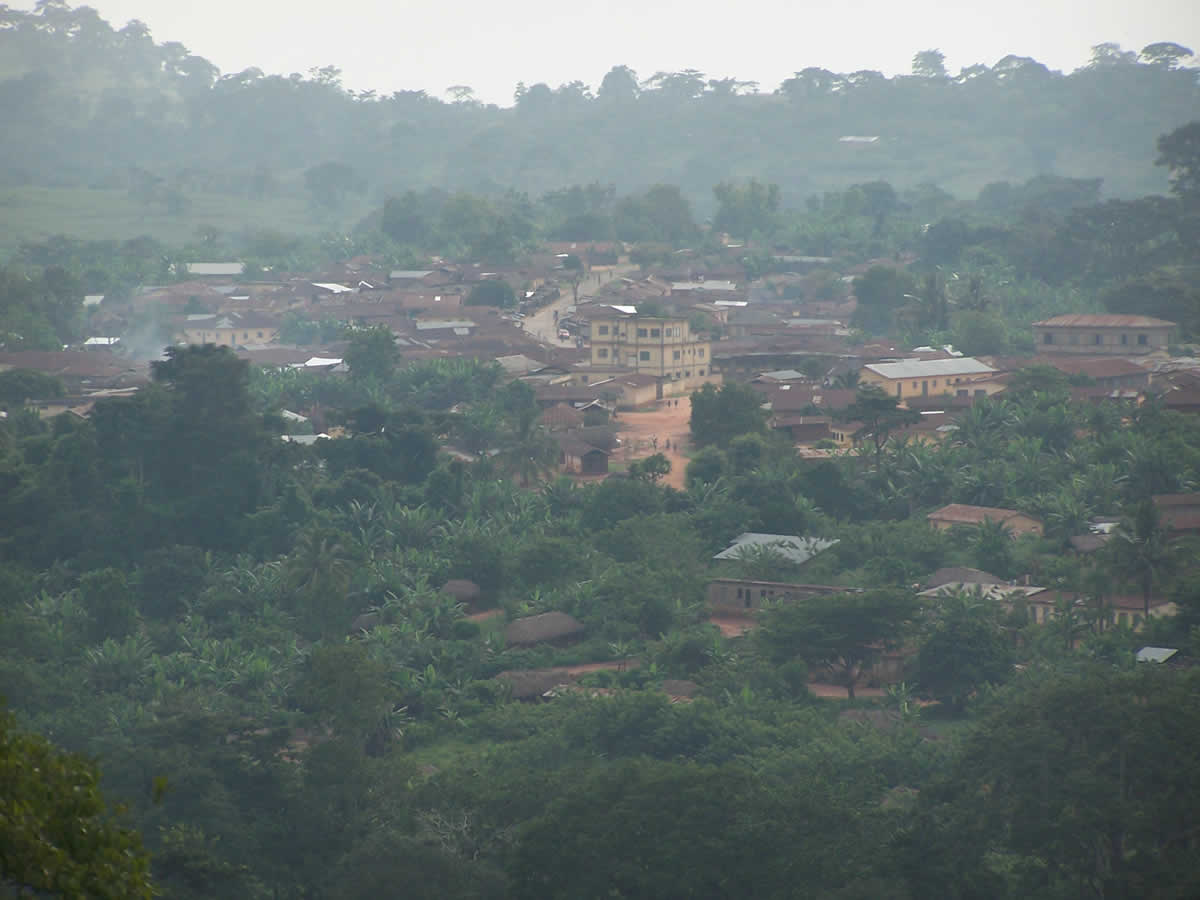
{"type": "Point", "coordinates": [1096, 335]}
{"type": "Point", "coordinates": [232, 330]}
{"type": "Point", "coordinates": [960, 514]}
{"type": "Point", "coordinates": [579, 457]}
{"type": "Point", "coordinates": [546, 628]}
{"type": "Point", "coordinates": [645, 345]}
{"type": "Point", "coordinates": [796, 550]}
{"type": "Point", "coordinates": [958, 377]}
{"type": "Point", "coordinates": [226, 271]}
{"type": "Point", "coordinates": [1179, 512]}
{"type": "Point", "coordinates": [737, 595]}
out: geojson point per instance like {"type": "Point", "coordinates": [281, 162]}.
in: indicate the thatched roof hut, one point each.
{"type": "Point", "coordinates": [546, 628]}
{"type": "Point", "coordinates": [465, 592]}
{"type": "Point", "coordinates": [561, 417]}
{"type": "Point", "coordinates": [530, 684]}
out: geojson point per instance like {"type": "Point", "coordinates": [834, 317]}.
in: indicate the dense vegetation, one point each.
{"type": "Point", "coordinates": [250, 639]}
{"type": "Point", "coordinates": [180, 588]}
{"type": "Point", "coordinates": [86, 105]}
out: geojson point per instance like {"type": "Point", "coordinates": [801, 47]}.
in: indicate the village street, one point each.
{"type": "Point", "coordinates": [544, 326]}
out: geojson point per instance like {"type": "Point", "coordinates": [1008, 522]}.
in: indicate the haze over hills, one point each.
{"type": "Point", "coordinates": [91, 107]}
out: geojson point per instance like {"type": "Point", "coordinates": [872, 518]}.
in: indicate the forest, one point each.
{"type": "Point", "coordinates": [233, 665]}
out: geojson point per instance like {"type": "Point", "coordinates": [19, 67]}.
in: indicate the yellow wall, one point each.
{"type": "Point", "coordinates": [662, 347]}
{"type": "Point", "coordinates": [230, 337]}
{"type": "Point", "coordinates": [904, 388]}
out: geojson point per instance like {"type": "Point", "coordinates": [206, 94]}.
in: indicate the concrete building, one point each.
{"type": "Point", "coordinates": [1095, 335]}
{"type": "Point", "coordinates": [645, 345]}
{"type": "Point", "coordinates": [961, 377]}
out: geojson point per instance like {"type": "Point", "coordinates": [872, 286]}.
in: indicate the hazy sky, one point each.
{"type": "Point", "coordinates": [400, 44]}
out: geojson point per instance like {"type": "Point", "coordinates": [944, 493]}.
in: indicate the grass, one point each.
{"type": "Point", "coordinates": [35, 213]}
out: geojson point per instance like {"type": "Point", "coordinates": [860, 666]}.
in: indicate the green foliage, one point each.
{"type": "Point", "coordinates": [57, 833]}
{"type": "Point", "coordinates": [492, 292]}
{"type": "Point", "coordinates": [881, 292]}
{"type": "Point", "coordinates": [372, 353]}
{"type": "Point", "coordinates": [721, 414]}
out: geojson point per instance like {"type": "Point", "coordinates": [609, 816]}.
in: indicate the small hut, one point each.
{"type": "Point", "coordinates": [546, 628]}
{"type": "Point", "coordinates": [463, 591]}
{"type": "Point", "coordinates": [533, 684]}
{"type": "Point", "coordinates": [561, 417]}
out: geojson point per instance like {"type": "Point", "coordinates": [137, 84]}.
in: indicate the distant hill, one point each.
{"type": "Point", "coordinates": [87, 106]}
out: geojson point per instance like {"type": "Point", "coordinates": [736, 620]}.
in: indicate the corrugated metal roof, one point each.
{"type": "Point", "coordinates": [215, 268]}
{"type": "Point", "coordinates": [1155, 654]}
{"type": "Point", "coordinates": [930, 368]}
{"type": "Point", "coordinates": [794, 548]}
{"type": "Point", "coordinates": [1093, 320]}
{"type": "Point", "coordinates": [404, 274]}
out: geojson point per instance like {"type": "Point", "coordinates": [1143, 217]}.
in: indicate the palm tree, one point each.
{"type": "Point", "coordinates": [1142, 550]}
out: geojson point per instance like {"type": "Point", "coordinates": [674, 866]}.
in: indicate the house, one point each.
{"type": "Point", "coordinates": [647, 345]}
{"type": "Point", "coordinates": [1155, 654]}
{"type": "Point", "coordinates": [961, 377]}
{"type": "Point", "coordinates": [960, 514]}
{"type": "Point", "coordinates": [561, 417]}
{"type": "Point", "coordinates": [581, 458]}
{"type": "Point", "coordinates": [463, 591]}
{"type": "Point", "coordinates": [960, 575]}
{"type": "Point", "coordinates": [1096, 335]}
{"type": "Point", "coordinates": [1107, 372]}
{"type": "Point", "coordinates": [546, 628]}
{"type": "Point", "coordinates": [224, 271]}
{"type": "Point", "coordinates": [1179, 512]}
{"type": "Point", "coordinates": [534, 684]}
{"type": "Point", "coordinates": [795, 549]}
{"type": "Point", "coordinates": [232, 330]}
{"type": "Point", "coordinates": [737, 595]}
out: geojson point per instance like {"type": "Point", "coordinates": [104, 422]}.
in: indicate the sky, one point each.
{"type": "Point", "coordinates": [390, 45]}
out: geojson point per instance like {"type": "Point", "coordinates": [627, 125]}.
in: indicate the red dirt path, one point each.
{"type": "Point", "coordinates": [637, 431]}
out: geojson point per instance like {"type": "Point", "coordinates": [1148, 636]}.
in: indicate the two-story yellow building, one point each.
{"type": "Point", "coordinates": [232, 330]}
{"type": "Point", "coordinates": [964, 376]}
{"type": "Point", "coordinates": [663, 347]}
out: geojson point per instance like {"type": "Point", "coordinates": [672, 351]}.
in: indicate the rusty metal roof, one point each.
{"type": "Point", "coordinates": [1092, 320]}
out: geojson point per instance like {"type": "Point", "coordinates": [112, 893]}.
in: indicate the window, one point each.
{"type": "Point", "coordinates": [642, 332]}
{"type": "Point", "coordinates": [644, 356]}
{"type": "Point", "coordinates": [676, 356]}
{"type": "Point", "coordinates": [655, 332]}
{"type": "Point", "coordinates": [1124, 339]}
{"type": "Point", "coordinates": [1143, 340]}
{"type": "Point", "coordinates": [687, 373]}
{"type": "Point", "coordinates": [260, 334]}
{"type": "Point", "coordinates": [701, 373]}
{"type": "Point", "coordinates": [604, 329]}
{"type": "Point", "coordinates": [935, 382]}
{"type": "Point", "coordinates": [700, 353]}
{"type": "Point", "coordinates": [980, 392]}
{"type": "Point", "coordinates": [1097, 339]}
{"type": "Point", "coordinates": [245, 335]}
{"type": "Point", "coordinates": [964, 393]}
{"type": "Point", "coordinates": [1072, 339]}
{"type": "Point", "coordinates": [1047, 338]}
{"type": "Point", "coordinates": [602, 353]}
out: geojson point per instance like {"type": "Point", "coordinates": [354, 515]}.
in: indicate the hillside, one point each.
{"type": "Point", "coordinates": [86, 106]}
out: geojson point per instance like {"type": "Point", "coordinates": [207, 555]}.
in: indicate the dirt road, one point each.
{"type": "Point", "coordinates": [640, 432]}
{"type": "Point", "coordinates": [542, 323]}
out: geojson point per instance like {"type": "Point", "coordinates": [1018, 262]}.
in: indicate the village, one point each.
{"type": "Point", "coordinates": [613, 352]}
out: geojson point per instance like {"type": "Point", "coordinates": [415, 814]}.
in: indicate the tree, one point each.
{"type": "Point", "coordinates": [652, 469]}
{"type": "Point", "coordinates": [330, 182]}
{"type": "Point", "coordinates": [405, 221]}
{"type": "Point", "coordinates": [1078, 783]}
{"type": "Point", "coordinates": [743, 209]}
{"type": "Point", "coordinates": [18, 386]}
{"type": "Point", "coordinates": [880, 415]}
{"type": "Point", "coordinates": [880, 292]}
{"type": "Point", "coordinates": [1179, 151]}
{"type": "Point", "coordinates": [57, 833]}
{"type": "Point", "coordinates": [493, 292]}
{"type": "Point", "coordinates": [964, 649]}
{"type": "Point", "coordinates": [620, 85]}
{"type": "Point", "coordinates": [844, 633]}
{"type": "Point", "coordinates": [929, 64]}
{"type": "Point", "coordinates": [1142, 551]}
{"type": "Point", "coordinates": [372, 353]}
{"type": "Point", "coordinates": [721, 414]}
{"type": "Point", "coordinates": [1166, 54]}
